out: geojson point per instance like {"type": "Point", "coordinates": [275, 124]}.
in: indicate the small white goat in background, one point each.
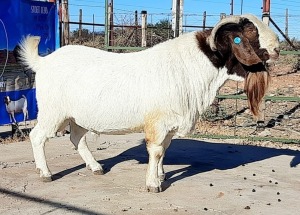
{"type": "Point", "coordinates": [163, 89]}
{"type": "Point", "coordinates": [18, 106]}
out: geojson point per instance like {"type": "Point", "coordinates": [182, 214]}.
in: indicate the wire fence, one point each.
{"type": "Point", "coordinates": [126, 29]}
{"type": "Point", "coordinates": [231, 118]}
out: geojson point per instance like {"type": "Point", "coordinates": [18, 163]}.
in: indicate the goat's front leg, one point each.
{"type": "Point", "coordinates": [10, 118]}
{"type": "Point", "coordinates": [166, 143]}
{"type": "Point", "coordinates": [78, 138]}
{"type": "Point", "coordinates": [155, 135]}
{"type": "Point", "coordinates": [155, 151]}
{"type": "Point", "coordinates": [13, 117]}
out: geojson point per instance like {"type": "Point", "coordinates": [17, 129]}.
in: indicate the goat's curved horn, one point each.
{"type": "Point", "coordinates": [211, 38]}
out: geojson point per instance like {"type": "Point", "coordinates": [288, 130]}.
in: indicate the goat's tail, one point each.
{"type": "Point", "coordinates": [29, 52]}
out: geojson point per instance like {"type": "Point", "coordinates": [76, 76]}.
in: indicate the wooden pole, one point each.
{"type": "Point", "coordinates": [177, 13]}
{"type": "Point", "coordinates": [60, 23]}
{"type": "Point", "coordinates": [144, 27]}
{"type": "Point", "coordinates": [106, 25]}
{"type": "Point", "coordinates": [287, 23]}
{"type": "Point", "coordinates": [111, 23]}
{"type": "Point", "coordinates": [242, 6]}
{"type": "Point", "coordinates": [136, 28]}
{"type": "Point", "coordinates": [65, 20]}
{"type": "Point", "coordinates": [93, 30]}
{"type": "Point", "coordinates": [204, 20]}
{"type": "Point", "coordinates": [80, 26]}
{"type": "Point", "coordinates": [180, 17]}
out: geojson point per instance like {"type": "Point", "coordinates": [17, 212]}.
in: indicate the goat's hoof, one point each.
{"type": "Point", "coordinates": [98, 172]}
{"type": "Point", "coordinates": [154, 189]}
{"type": "Point", "coordinates": [162, 177]}
{"type": "Point", "coordinates": [46, 179]}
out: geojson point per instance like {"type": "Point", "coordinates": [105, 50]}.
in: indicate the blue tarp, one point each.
{"type": "Point", "coordinates": [19, 18]}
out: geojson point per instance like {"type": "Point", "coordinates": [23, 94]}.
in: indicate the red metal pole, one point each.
{"type": "Point", "coordinates": [266, 6]}
{"type": "Point", "coordinates": [266, 11]}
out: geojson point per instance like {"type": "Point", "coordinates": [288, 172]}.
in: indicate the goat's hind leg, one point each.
{"type": "Point", "coordinates": [78, 138]}
{"type": "Point", "coordinates": [45, 128]}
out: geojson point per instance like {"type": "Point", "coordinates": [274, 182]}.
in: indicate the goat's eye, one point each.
{"type": "Point", "coordinates": [237, 40]}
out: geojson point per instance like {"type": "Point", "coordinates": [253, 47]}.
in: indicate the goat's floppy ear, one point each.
{"type": "Point", "coordinates": [243, 51]}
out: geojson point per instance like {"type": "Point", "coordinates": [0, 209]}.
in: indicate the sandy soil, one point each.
{"type": "Point", "coordinates": [203, 178]}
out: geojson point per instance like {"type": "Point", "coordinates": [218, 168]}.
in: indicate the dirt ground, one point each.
{"type": "Point", "coordinates": [204, 177]}
{"type": "Point", "coordinates": [282, 118]}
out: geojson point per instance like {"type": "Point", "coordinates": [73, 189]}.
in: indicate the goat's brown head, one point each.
{"type": "Point", "coordinates": [236, 43]}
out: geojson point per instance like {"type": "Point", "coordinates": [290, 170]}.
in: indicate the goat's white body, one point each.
{"type": "Point", "coordinates": [163, 89]}
{"type": "Point", "coordinates": [105, 92]}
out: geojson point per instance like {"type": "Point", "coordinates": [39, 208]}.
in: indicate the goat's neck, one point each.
{"type": "Point", "coordinates": [209, 91]}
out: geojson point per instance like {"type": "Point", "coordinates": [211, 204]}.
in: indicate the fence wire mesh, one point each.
{"type": "Point", "coordinates": [228, 117]}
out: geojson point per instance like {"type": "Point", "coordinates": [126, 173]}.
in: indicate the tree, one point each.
{"type": "Point", "coordinates": [160, 32]}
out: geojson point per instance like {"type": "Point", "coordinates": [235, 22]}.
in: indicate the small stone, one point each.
{"type": "Point", "coordinates": [211, 185]}
{"type": "Point", "coordinates": [81, 174]}
{"type": "Point", "coordinates": [245, 178]}
{"type": "Point", "coordinates": [247, 207]}
{"type": "Point", "coordinates": [278, 193]}
{"type": "Point", "coordinates": [273, 170]}
{"type": "Point", "coordinates": [254, 174]}
{"type": "Point", "coordinates": [279, 200]}
{"type": "Point", "coordinates": [269, 204]}
{"type": "Point", "coordinates": [126, 209]}
{"type": "Point", "coordinates": [253, 190]}
{"type": "Point", "coordinates": [205, 209]}
{"type": "Point", "coordinates": [265, 133]}
{"type": "Point", "coordinates": [276, 182]}
{"type": "Point", "coordinates": [270, 181]}
{"type": "Point", "coordinates": [286, 116]}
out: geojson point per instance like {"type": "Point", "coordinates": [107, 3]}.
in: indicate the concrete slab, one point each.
{"type": "Point", "coordinates": [203, 178]}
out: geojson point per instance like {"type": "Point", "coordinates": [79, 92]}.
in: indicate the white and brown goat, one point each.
{"type": "Point", "coordinates": [163, 89]}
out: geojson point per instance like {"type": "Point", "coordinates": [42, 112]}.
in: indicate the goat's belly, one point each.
{"type": "Point", "coordinates": [110, 125]}
{"type": "Point", "coordinates": [119, 131]}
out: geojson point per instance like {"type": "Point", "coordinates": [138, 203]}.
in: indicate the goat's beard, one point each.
{"type": "Point", "coordinates": [256, 86]}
